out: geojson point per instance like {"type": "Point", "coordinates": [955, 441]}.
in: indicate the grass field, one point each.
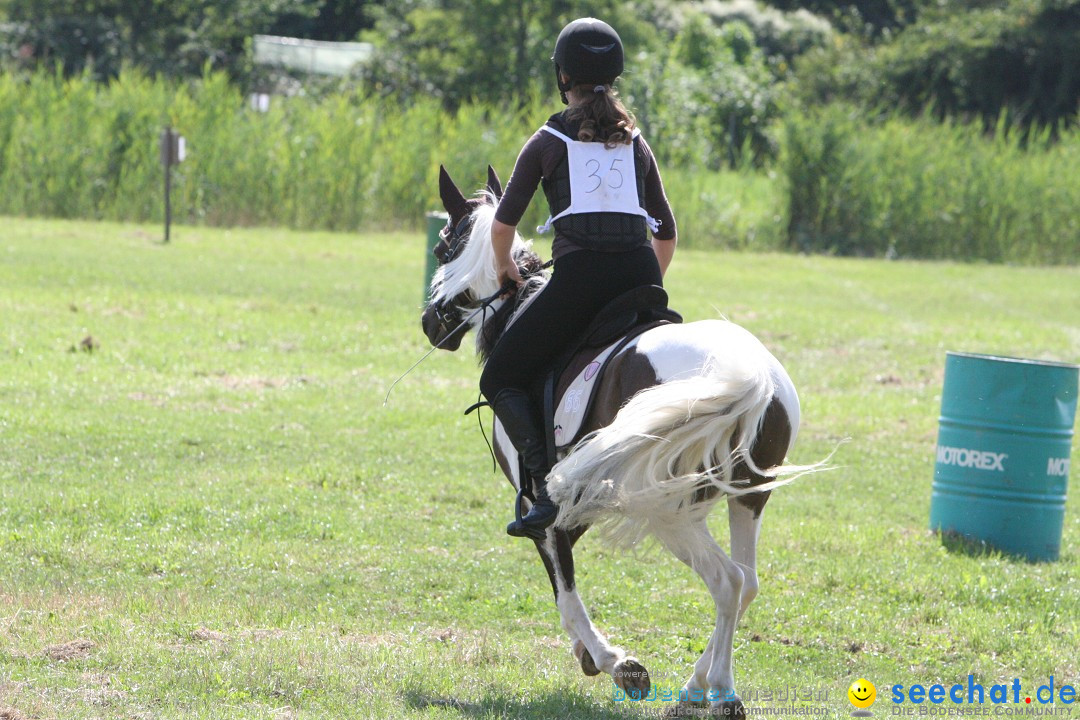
{"type": "Point", "coordinates": [206, 512]}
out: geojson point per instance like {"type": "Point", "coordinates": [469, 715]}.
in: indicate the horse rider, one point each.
{"type": "Point", "coordinates": [604, 194]}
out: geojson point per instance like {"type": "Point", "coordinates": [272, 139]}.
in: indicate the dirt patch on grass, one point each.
{"type": "Point", "coordinates": [71, 650]}
{"type": "Point", "coordinates": [554, 643]}
{"type": "Point", "coordinates": [155, 400]}
{"type": "Point", "coordinates": [206, 635]}
{"type": "Point", "coordinates": [266, 634]}
{"type": "Point", "coordinates": [122, 312]}
{"type": "Point", "coordinates": [232, 382]}
{"type": "Point", "coordinates": [373, 640]}
{"type": "Point", "coordinates": [233, 409]}
{"type": "Point", "coordinates": [99, 691]}
{"type": "Point", "coordinates": [444, 636]}
{"type": "Point", "coordinates": [10, 713]}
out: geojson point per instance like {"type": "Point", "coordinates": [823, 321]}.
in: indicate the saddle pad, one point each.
{"type": "Point", "coordinates": [574, 403]}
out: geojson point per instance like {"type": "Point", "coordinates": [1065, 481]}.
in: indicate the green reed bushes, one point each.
{"type": "Point", "coordinates": [44, 162]}
{"type": "Point", "coordinates": [920, 188]}
{"type": "Point", "coordinates": [77, 148]}
{"type": "Point", "coordinates": [69, 148]}
{"type": "Point", "coordinates": [349, 161]}
{"type": "Point", "coordinates": [738, 210]}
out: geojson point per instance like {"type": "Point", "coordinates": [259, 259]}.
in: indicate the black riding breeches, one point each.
{"type": "Point", "coordinates": [583, 282]}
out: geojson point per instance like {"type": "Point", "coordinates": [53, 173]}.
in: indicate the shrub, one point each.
{"type": "Point", "coordinates": [1013, 56]}
{"type": "Point", "coordinates": [711, 102]}
{"type": "Point", "coordinates": [350, 161]}
{"type": "Point", "coordinates": [1019, 56]}
{"type": "Point", "coordinates": [777, 33]}
{"type": "Point", "coordinates": [918, 188]}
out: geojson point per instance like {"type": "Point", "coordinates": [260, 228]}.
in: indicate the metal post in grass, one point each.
{"type": "Point", "coordinates": [435, 223]}
{"type": "Point", "coordinates": [173, 151]}
{"type": "Point", "coordinates": [733, 158]}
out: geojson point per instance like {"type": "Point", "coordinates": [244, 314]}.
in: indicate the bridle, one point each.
{"type": "Point", "coordinates": [451, 313]}
{"type": "Point", "coordinates": [452, 240]}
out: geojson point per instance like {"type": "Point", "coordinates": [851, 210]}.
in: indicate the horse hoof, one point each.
{"type": "Point", "coordinates": [588, 665]}
{"type": "Point", "coordinates": [632, 677]}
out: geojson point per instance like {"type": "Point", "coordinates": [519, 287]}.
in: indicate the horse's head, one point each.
{"type": "Point", "coordinates": [462, 277]}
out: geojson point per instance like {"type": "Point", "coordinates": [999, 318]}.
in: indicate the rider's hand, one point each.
{"type": "Point", "coordinates": [508, 272]}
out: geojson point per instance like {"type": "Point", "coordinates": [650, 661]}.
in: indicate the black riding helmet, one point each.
{"type": "Point", "coordinates": [588, 51]}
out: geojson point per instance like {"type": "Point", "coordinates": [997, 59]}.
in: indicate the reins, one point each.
{"type": "Point", "coordinates": [484, 305]}
{"type": "Point", "coordinates": [448, 255]}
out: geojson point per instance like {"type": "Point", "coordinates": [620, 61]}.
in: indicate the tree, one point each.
{"type": "Point", "coordinates": [1017, 57]}
{"type": "Point", "coordinates": [714, 97]}
{"type": "Point", "coordinates": [173, 37]}
{"type": "Point", "coordinates": [334, 20]}
{"type": "Point", "coordinates": [491, 50]}
{"type": "Point", "coordinates": [1017, 60]}
{"type": "Point", "coordinates": [874, 16]}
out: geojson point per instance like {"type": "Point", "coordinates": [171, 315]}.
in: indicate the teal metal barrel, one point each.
{"type": "Point", "coordinates": [436, 221]}
{"type": "Point", "coordinates": [1004, 442]}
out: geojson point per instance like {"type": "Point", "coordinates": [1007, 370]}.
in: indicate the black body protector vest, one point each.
{"type": "Point", "coordinates": [596, 195]}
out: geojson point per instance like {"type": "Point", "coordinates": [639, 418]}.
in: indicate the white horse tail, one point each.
{"type": "Point", "coordinates": [670, 442]}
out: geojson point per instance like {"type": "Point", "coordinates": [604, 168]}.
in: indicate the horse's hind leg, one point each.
{"type": "Point", "coordinates": [744, 524]}
{"type": "Point", "coordinates": [744, 512]}
{"type": "Point", "coordinates": [591, 648]}
{"type": "Point", "coordinates": [714, 678]}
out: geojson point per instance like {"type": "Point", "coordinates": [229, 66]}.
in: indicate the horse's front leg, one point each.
{"type": "Point", "coordinates": [592, 650]}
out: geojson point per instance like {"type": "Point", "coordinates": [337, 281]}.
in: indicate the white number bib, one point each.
{"type": "Point", "coordinates": [602, 179]}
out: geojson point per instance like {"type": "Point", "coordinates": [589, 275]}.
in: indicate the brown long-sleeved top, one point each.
{"type": "Point", "coordinates": [539, 159]}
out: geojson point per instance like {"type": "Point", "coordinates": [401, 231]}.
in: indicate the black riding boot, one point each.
{"type": "Point", "coordinates": [520, 419]}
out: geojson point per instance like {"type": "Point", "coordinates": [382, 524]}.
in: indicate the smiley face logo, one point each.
{"type": "Point", "coordinates": [862, 695]}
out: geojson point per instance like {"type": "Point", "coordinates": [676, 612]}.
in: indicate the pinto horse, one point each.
{"type": "Point", "coordinates": [685, 415]}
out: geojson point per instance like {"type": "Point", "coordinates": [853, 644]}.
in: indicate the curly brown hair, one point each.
{"type": "Point", "coordinates": [601, 116]}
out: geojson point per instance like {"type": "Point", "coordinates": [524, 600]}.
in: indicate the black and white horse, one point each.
{"type": "Point", "coordinates": [687, 414]}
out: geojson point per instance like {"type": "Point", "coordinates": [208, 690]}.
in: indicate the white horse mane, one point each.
{"type": "Point", "coordinates": [474, 268]}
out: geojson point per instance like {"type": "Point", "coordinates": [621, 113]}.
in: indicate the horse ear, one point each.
{"type": "Point", "coordinates": [452, 199]}
{"type": "Point", "coordinates": [493, 184]}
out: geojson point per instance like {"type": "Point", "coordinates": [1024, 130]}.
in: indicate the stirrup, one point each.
{"type": "Point", "coordinates": [534, 532]}
{"type": "Point", "coordinates": [533, 525]}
